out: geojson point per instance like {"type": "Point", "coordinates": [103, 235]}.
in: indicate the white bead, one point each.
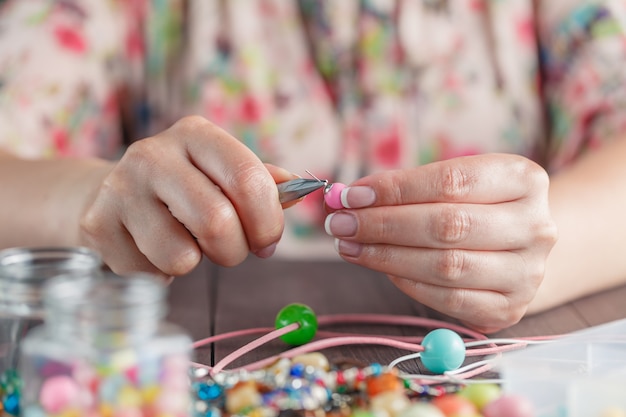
{"type": "Point", "coordinates": [315, 359]}
{"type": "Point", "coordinates": [421, 410]}
{"type": "Point", "coordinates": [393, 402]}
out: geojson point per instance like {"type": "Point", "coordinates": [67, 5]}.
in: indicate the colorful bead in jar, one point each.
{"type": "Point", "coordinates": [105, 350]}
{"type": "Point", "coordinates": [23, 273]}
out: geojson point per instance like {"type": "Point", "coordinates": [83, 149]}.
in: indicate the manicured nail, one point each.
{"type": "Point", "coordinates": [267, 251]}
{"type": "Point", "coordinates": [340, 224]}
{"type": "Point", "coordinates": [347, 248]}
{"type": "Point", "coordinates": [358, 196]}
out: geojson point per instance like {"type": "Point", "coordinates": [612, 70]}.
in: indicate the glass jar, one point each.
{"type": "Point", "coordinates": [105, 350]}
{"type": "Point", "coordinates": [23, 273]}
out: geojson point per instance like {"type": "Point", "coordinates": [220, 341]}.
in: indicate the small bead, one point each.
{"type": "Point", "coordinates": [58, 393]}
{"type": "Point", "coordinates": [315, 359]}
{"type": "Point", "coordinates": [509, 406]}
{"type": "Point", "coordinates": [376, 369]}
{"type": "Point", "coordinates": [320, 394]}
{"type": "Point", "coordinates": [11, 404]}
{"type": "Point", "coordinates": [297, 370]}
{"type": "Point", "coordinates": [455, 405]}
{"type": "Point", "coordinates": [10, 381]}
{"type": "Point", "coordinates": [332, 195]}
{"type": "Point", "coordinates": [208, 391]}
{"type": "Point", "coordinates": [385, 382]}
{"type": "Point", "coordinates": [481, 394]}
{"type": "Point", "coordinates": [122, 412]}
{"type": "Point", "coordinates": [150, 393]}
{"type": "Point", "coordinates": [359, 377]}
{"type": "Point", "coordinates": [421, 409]}
{"type": "Point", "coordinates": [362, 413]}
{"type": "Point", "coordinates": [129, 397]}
{"type": "Point", "coordinates": [243, 396]}
{"type": "Point", "coordinates": [444, 350]}
{"type": "Point", "coordinates": [213, 412]}
{"type": "Point", "coordinates": [437, 391]}
{"type": "Point", "coordinates": [392, 402]}
{"type": "Point", "coordinates": [304, 316]}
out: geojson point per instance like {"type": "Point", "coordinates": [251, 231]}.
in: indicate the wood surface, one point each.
{"type": "Point", "coordinates": [213, 300]}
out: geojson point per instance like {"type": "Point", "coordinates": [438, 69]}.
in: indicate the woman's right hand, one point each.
{"type": "Point", "coordinates": [190, 190]}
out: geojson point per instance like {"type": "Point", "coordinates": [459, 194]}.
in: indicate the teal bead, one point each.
{"type": "Point", "coordinates": [301, 314]}
{"type": "Point", "coordinates": [208, 391]}
{"type": "Point", "coordinates": [444, 350]}
{"type": "Point", "coordinates": [11, 404]}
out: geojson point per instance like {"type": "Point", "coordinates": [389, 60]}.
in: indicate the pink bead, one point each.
{"type": "Point", "coordinates": [333, 196]}
{"type": "Point", "coordinates": [132, 374]}
{"type": "Point", "coordinates": [129, 412]}
{"type": "Point", "coordinates": [509, 406]}
{"type": "Point", "coordinates": [58, 393]}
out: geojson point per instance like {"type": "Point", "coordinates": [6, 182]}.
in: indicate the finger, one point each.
{"type": "Point", "coordinates": [485, 311]}
{"type": "Point", "coordinates": [241, 176]}
{"type": "Point", "coordinates": [474, 179]}
{"type": "Point", "coordinates": [207, 215]}
{"type": "Point", "coordinates": [504, 272]}
{"type": "Point", "coordinates": [114, 244]}
{"type": "Point", "coordinates": [281, 175]}
{"type": "Point", "coordinates": [161, 238]}
{"type": "Point", "coordinates": [439, 225]}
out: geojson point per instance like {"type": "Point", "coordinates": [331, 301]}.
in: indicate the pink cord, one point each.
{"type": "Point", "coordinates": [328, 339]}
{"type": "Point", "coordinates": [230, 335]}
{"type": "Point", "coordinates": [253, 345]}
{"type": "Point", "coordinates": [329, 343]}
{"type": "Point", "coordinates": [397, 320]}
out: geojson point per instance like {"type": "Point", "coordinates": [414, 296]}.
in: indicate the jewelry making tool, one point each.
{"type": "Point", "coordinates": [300, 187]}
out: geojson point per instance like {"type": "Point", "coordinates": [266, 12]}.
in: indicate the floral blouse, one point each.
{"type": "Point", "coordinates": [341, 88]}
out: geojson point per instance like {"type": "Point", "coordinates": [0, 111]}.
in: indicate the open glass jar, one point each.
{"type": "Point", "coordinates": [23, 274]}
{"type": "Point", "coordinates": [105, 350]}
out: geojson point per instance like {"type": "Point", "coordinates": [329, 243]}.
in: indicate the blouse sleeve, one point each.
{"type": "Point", "coordinates": [583, 53]}
{"type": "Point", "coordinates": [60, 78]}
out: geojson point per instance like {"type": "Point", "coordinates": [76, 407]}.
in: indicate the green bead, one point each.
{"type": "Point", "coordinates": [444, 350]}
{"type": "Point", "coordinates": [301, 314]}
{"type": "Point", "coordinates": [481, 394]}
{"type": "Point", "coordinates": [362, 413]}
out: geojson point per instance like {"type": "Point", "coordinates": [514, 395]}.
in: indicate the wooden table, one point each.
{"type": "Point", "coordinates": [213, 300]}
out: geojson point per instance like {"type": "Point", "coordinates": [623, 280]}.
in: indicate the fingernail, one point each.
{"type": "Point", "coordinates": [347, 248]}
{"type": "Point", "coordinates": [267, 251]}
{"type": "Point", "coordinates": [340, 224]}
{"type": "Point", "coordinates": [358, 196]}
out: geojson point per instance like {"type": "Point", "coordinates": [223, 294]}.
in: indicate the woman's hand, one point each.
{"type": "Point", "coordinates": [189, 190]}
{"type": "Point", "coordinates": [467, 236]}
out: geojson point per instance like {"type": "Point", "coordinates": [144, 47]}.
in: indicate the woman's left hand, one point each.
{"type": "Point", "coordinates": [468, 236]}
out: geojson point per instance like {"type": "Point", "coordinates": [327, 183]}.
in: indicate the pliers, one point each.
{"type": "Point", "coordinates": [298, 188]}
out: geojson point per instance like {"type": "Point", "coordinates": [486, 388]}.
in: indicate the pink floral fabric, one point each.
{"type": "Point", "coordinates": [341, 88]}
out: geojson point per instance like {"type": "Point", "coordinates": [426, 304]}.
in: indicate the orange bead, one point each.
{"type": "Point", "coordinates": [453, 405]}
{"type": "Point", "coordinates": [382, 383]}
{"type": "Point", "coordinates": [243, 395]}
